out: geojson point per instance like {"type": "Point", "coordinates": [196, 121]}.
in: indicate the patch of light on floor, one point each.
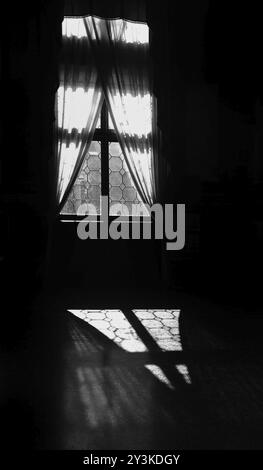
{"type": "Point", "coordinates": [182, 369]}
{"type": "Point", "coordinates": [114, 325]}
{"type": "Point", "coordinates": [157, 372]}
{"type": "Point", "coordinates": [162, 324]}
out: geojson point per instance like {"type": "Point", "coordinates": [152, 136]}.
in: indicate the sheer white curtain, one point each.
{"type": "Point", "coordinates": [106, 58]}
{"type": "Point", "coordinates": [132, 117]}
{"type": "Point", "coordinates": [79, 100]}
{"type": "Point", "coordinates": [121, 52]}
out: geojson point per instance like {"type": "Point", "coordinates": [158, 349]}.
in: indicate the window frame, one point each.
{"type": "Point", "coordinates": [104, 135]}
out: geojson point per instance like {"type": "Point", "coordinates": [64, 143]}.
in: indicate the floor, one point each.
{"type": "Point", "coordinates": [147, 370]}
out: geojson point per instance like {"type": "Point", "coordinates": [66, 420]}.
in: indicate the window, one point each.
{"type": "Point", "coordinates": [104, 61]}
{"type": "Point", "coordinates": [103, 173]}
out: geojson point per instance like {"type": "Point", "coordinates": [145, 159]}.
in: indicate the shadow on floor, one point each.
{"type": "Point", "coordinates": [71, 387]}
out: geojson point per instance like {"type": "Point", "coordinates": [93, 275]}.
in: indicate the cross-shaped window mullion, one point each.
{"type": "Point", "coordinates": [104, 151]}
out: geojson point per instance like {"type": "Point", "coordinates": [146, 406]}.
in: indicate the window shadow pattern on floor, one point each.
{"type": "Point", "coordinates": [122, 388]}
{"type": "Point", "coordinates": [141, 330]}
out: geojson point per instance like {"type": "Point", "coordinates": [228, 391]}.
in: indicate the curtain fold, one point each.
{"type": "Point", "coordinates": [79, 100]}
{"type": "Point", "coordinates": [121, 53]}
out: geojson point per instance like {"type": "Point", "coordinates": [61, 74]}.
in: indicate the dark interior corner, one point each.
{"type": "Point", "coordinates": [208, 83]}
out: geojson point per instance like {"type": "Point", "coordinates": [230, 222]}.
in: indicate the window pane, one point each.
{"type": "Point", "coordinates": [121, 188]}
{"type": "Point", "coordinates": [87, 187]}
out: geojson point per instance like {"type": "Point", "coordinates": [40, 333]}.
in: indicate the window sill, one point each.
{"type": "Point", "coordinates": [98, 220]}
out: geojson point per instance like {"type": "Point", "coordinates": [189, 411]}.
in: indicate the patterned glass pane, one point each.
{"type": "Point", "coordinates": [87, 187]}
{"type": "Point", "coordinates": [121, 187]}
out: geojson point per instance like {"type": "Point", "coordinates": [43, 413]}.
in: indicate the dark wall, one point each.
{"type": "Point", "coordinates": [30, 38]}
{"type": "Point", "coordinates": [104, 264]}
{"type": "Point", "coordinates": [214, 147]}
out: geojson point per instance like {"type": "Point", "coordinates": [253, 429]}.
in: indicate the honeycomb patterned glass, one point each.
{"type": "Point", "coordinates": [121, 188]}
{"type": "Point", "coordinates": [87, 187]}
